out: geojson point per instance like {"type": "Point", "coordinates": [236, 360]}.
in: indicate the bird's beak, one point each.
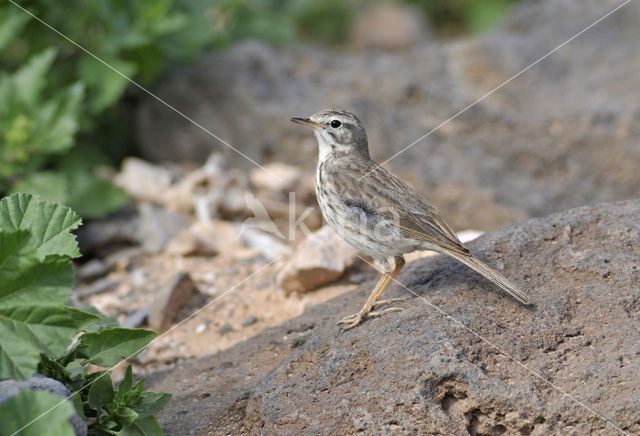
{"type": "Point", "coordinates": [307, 122]}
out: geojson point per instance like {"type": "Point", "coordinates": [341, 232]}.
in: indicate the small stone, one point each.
{"type": "Point", "coordinates": [205, 238]}
{"type": "Point", "coordinates": [268, 245]}
{"type": "Point", "coordinates": [277, 177]}
{"type": "Point", "coordinates": [248, 320]}
{"type": "Point", "coordinates": [225, 328]}
{"type": "Point", "coordinates": [320, 259]}
{"type": "Point", "coordinates": [97, 287]}
{"type": "Point", "coordinates": [135, 319]}
{"type": "Point", "coordinates": [156, 226]}
{"type": "Point", "coordinates": [91, 270]}
{"type": "Point", "coordinates": [174, 295]}
{"type": "Point", "coordinates": [143, 180]}
{"type": "Point", "coordinates": [388, 27]}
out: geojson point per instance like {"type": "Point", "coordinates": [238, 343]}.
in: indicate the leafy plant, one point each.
{"type": "Point", "coordinates": [37, 326]}
{"type": "Point", "coordinates": [455, 17]}
{"type": "Point", "coordinates": [37, 125]}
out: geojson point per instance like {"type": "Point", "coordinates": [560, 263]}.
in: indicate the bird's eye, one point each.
{"type": "Point", "coordinates": [335, 124]}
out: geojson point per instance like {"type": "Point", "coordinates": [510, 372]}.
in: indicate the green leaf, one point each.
{"type": "Point", "coordinates": [75, 370]}
{"type": "Point", "coordinates": [100, 391]}
{"type": "Point", "coordinates": [48, 185]}
{"type": "Point", "coordinates": [50, 224]}
{"type": "Point", "coordinates": [12, 21]}
{"type": "Point", "coordinates": [27, 408]}
{"type": "Point", "coordinates": [147, 426]}
{"type": "Point", "coordinates": [126, 416]}
{"type": "Point", "coordinates": [90, 196]}
{"type": "Point", "coordinates": [27, 281]}
{"type": "Point", "coordinates": [54, 370]}
{"type": "Point", "coordinates": [126, 383]}
{"type": "Point", "coordinates": [31, 78]}
{"type": "Point", "coordinates": [27, 331]}
{"type": "Point", "coordinates": [152, 403]}
{"type": "Point", "coordinates": [106, 85]}
{"type": "Point", "coordinates": [107, 347]}
{"type": "Point", "coordinates": [94, 197]}
{"type": "Point", "coordinates": [58, 120]}
{"type": "Point", "coordinates": [36, 281]}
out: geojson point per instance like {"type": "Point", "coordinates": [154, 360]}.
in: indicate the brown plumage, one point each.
{"type": "Point", "coordinates": [376, 212]}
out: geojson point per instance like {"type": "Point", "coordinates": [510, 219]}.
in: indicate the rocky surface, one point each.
{"type": "Point", "coordinates": [560, 135]}
{"type": "Point", "coordinates": [421, 371]}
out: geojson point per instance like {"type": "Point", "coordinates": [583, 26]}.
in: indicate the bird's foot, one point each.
{"type": "Point", "coordinates": [352, 320]}
{"type": "Point", "coordinates": [355, 319]}
{"type": "Point", "coordinates": [389, 301]}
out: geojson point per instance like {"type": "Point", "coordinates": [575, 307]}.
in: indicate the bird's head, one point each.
{"type": "Point", "coordinates": [337, 132]}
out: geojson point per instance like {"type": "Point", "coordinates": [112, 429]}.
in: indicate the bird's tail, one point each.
{"type": "Point", "coordinates": [492, 275]}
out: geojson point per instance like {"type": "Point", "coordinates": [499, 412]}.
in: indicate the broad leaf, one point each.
{"type": "Point", "coordinates": [147, 426]}
{"type": "Point", "coordinates": [50, 224]}
{"type": "Point", "coordinates": [126, 416]}
{"type": "Point", "coordinates": [100, 391]}
{"type": "Point", "coordinates": [152, 403]}
{"type": "Point", "coordinates": [27, 331]}
{"type": "Point", "coordinates": [107, 347]}
{"type": "Point", "coordinates": [24, 413]}
{"type": "Point", "coordinates": [27, 281]}
{"type": "Point", "coordinates": [126, 383]}
{"type": "Point", "coordinates": [12, 20]}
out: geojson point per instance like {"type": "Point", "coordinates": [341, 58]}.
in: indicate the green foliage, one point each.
{"type": "Point", "coordinates": [127, 410]}
{"type": "Point", "coordinates": [32, 125]}
{"type": "Point", "coordinates": [455, 17]}
{"type": "Point", "coordinates": [27, 405]}
{"type": "Point", "coordinates": [37, 328]}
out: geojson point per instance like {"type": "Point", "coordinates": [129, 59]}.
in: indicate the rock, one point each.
{"type": "Point", "coordinates": [135, 319]}
{"type": "Point", "coordinates": [156, 226]}
{"type": "Point", "coordinates": [388, 27]}
{"type": "Point", "coordinates": [420, 372]}
{"type": "Point", "coordinates": [101, 238]}
{"type": "Point", "coordinates": [280, 177]}
{"type": "Point", "coordinates": [320, 259]}
{"type": "Point", "coordinates": [169, 301]}
{"type": "Point", "coordinates": [101, 285]}
{"type": "Point", "coordinates": [91, 270]}
{"type": "Point", "coordinates": [38, 382]}
{"type": "Point", "coordinates": [208, 238]}
{"type": "Point", "coordinates": [143, 180]}
{"type": "Point", "coordinates": [268, 245]}
{"type": "Point", "coordinates": [248, 320]}
{"type": "Point", "coordinates": [225, 328]}
{"type": "Point", "coordinates": [560, 135]}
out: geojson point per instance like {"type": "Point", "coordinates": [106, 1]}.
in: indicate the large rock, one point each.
{"type": "Point", "coordinates": [479, 363]}
{"type": "Point", "coordinates": [560, 135]}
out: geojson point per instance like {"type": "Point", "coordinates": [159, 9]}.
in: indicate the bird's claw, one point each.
{"type": "Point", "coordinates": [352, 320]}
{"type": "Point", "coordinates": [355, 319]}
{"type": "Point", "coordinates": [389, 301]}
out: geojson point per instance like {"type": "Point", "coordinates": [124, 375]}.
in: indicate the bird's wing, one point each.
{"type": "Point", "coordinates": [378, 192]}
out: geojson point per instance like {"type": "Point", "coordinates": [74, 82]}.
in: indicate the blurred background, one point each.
{"type": "Point", "coordinates": [64, 114]}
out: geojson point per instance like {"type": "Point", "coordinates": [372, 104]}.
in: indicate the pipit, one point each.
{"type": "Point", "coordinates": [376, 212]}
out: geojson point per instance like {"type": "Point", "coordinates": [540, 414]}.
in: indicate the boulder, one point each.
{"type": "Point", "coordinates": [562, 134]}
{"type": "Point", "coordinates": [462, 358]}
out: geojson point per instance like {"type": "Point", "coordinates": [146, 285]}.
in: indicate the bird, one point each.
{"type": "Point", "coordinates": [377, 213]}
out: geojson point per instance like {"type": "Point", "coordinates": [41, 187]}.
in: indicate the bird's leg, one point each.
{"type": "Point", "coordinates": [377, 292]}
